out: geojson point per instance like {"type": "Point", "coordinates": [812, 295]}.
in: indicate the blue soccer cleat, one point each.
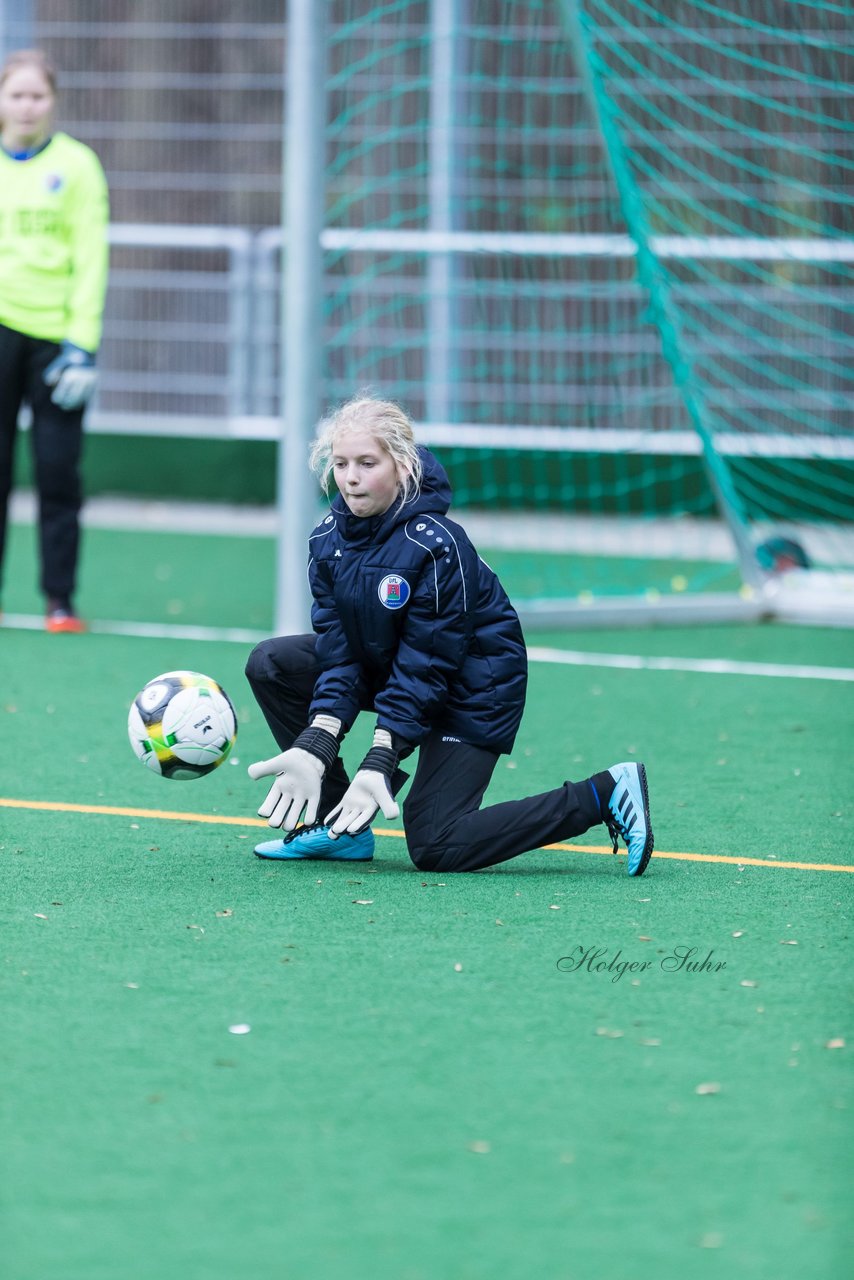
{"type": "Point", "coordinates": [629, 814]}
{"type": "Point", "coordinates": [312, 843]}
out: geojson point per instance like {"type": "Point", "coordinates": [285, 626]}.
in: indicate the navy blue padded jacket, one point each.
{"type": "Point", "coordinates": [410, 621]}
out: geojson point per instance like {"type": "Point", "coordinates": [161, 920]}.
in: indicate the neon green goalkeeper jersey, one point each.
{"type": "Point", "coordinates": [54, 210]}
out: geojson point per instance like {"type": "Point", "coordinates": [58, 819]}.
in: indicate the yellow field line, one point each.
{"type": "Point", "coordinates": [119, 811]}
{"type": "Point", "coordinates": [221, 819]}
{"type": "Point", "coordinates": [711, 857]}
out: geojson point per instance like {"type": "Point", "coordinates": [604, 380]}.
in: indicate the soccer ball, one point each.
{"type": "Point", "coordinates": [182, 725]}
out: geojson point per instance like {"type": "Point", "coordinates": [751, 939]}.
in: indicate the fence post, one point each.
{"type": "Point", "coordinates": [265, 324]}
{"type": "Point", "coordinates": [443, 182]}
{"type": "Point", "coordinates": [302, 202]}
{"type": "Point", "coordinates": [239, 370]}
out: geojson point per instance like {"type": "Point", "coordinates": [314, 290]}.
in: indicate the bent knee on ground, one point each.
{"type": "Point", "coordinates": [436, 854]}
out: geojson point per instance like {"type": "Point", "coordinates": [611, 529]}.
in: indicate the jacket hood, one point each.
{"type": "Point", "coordinates": [434, 496]}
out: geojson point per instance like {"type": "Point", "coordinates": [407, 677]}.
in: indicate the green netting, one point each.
{"type": "Point", "coordinates": [732, 124]}
{"type": "Point", "coordinates": [610, 260]}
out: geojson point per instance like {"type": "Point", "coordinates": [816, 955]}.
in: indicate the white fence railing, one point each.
{"type": "Point", "coordinates": [191, 339]}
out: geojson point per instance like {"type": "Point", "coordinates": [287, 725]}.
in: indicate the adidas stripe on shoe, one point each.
{"type": "Point", "coordinates": [628, 811]}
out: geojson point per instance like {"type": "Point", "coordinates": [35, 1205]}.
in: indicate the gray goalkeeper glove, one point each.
{"type": "Point", "coordinates": [300, 771]}
{"type": "Point", "coordinates": [73, 376]}
{"type": "Point", "coordinates": [369, 791]}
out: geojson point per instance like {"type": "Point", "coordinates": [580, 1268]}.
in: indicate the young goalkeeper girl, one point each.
{"type": "Point", "coordinates": [411, 624]}
{"type": "Point", "coordinates": [53, 273]}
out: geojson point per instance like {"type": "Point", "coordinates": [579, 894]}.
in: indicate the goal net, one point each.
{"type": "Point", "coordinates": [603, 253]}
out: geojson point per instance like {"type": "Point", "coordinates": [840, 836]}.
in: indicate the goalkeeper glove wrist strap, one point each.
{"type": "Point", "coordinates": [383, 755]}
{"type": "Point", "coordinates": [318, 743]}
{"type": "Point", "coordinates": [77, 356]}
{"type": "Point", "coordinates": [381, 760]}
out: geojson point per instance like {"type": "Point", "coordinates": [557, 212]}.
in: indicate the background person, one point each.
{"type": "Point", "coordinates": [53, 274]}
{"type": "Point", "coordinates": [409, 622]}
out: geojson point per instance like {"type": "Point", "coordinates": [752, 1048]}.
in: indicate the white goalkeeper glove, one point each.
{"type": "Point", "coordinates": [369, 791]}
{"type": "Point", "coordinates": [73, 376]}
{"type": "Point", "coordinates": [300, 771]}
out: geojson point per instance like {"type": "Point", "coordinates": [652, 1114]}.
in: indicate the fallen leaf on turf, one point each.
{"type": "Point", "coordinates": [711, 1240]}
{"type": "Point", "coordinates": [839, 1043]}
{"type": "Point", "coordinates": [708, 1087]}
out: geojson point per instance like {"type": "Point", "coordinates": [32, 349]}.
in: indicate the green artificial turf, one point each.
{"type": "Point", "coordinates": [428, 1089]}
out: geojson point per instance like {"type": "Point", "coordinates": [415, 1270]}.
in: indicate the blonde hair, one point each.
{"type": "Point", "coordinates": [29, 58]}
{"type": "Point", "coordinates": [387, 423]}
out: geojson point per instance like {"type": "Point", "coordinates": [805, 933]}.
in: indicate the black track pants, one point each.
{"type": "Point", "coordinates": [57, 437]}
{"type": "Point", "coordinates": [446, 829]}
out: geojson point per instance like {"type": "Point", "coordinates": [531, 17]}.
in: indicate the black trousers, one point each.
{"type": "Point", "coordinates": [57, 441]}
{"type": "Point", "coordinates": [446, 828]}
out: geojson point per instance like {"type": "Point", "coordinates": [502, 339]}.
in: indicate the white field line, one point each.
{"type": "Point", "coordinates": [147, 630]}
{"type": "Point", "coordinates": [565, 657]}
{"type": "Point", "coordinates": [708, 666]}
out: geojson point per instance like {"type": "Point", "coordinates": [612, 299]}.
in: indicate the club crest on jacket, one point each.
{"type": "Point", "coordinates": [393, 591]}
